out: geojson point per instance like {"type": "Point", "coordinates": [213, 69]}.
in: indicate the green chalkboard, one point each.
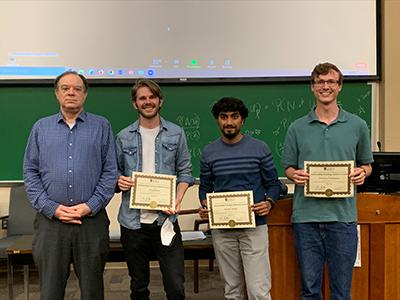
{"type": "Point", "coordinates": [272, 108]}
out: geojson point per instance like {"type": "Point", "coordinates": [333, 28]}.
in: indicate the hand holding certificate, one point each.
{"type": "Point", "coordinates": [231, 210]}
{"type": "Point", "coordinates": [153, 191]}
{"type": "Point", "coordinates": [329, 179]}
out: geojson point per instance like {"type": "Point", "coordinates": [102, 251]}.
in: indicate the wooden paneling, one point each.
{"type": "Point", "coordinates": [285, 274]}
{"type": "Point", "coordinates": [392, 252]}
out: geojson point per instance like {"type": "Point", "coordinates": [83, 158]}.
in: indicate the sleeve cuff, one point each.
{"type": "Point", "coordinates": [186, 178]}
{"type": "Point", "coordinates": [270, 200]}
{"type": "Point", "coordinates": [50, 209]}
{"type": "Point", "coordinates": [94, 206]}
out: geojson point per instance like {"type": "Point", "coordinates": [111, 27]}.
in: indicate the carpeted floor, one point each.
{"type": "Point", "coordinates": [116, 281]}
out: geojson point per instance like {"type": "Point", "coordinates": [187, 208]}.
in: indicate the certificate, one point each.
{"type": "Point", "coordinates": [152, 191]}
{"type": "Point", "coordinates": [231, 210]}
{"type": "Point", "coordinates": [329, 179]}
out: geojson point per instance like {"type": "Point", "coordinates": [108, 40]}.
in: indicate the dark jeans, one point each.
{"type": "Point", "coordinates": [56, 245]}
{"type": "Point", "coordinates": [334, 243]}
{"type": "Point", "coordinates": [140, 246]}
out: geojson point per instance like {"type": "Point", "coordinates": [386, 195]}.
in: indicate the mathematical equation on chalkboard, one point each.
{"type": "Point", "coordinates": [268, 120]}
{"type": "Point", "coordinates": [258, 122]}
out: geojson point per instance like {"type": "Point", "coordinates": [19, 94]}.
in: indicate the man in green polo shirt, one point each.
{"type": "Point", "coordinates": [325, 229]}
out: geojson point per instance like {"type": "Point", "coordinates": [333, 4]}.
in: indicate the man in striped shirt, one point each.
{"type": "Point", "coordinates": [238, 162]}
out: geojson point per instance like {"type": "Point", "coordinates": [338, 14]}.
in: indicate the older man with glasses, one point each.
{"type": "Point", "coordinates": [70, 173]}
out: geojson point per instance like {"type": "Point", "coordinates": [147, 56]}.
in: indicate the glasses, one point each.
{"type": "Point", "coordinates": [65, 89]}
{"type": "Point", "coordinates": [330, 83]}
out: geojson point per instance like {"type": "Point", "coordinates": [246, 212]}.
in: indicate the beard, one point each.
{"type": "Point", "coordinates": [230, 132]}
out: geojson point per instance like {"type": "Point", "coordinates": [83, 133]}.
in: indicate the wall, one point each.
{"type": "Point", "coordinates": [389, 97]}
{"type": "Point", "coordinates": [4, 200]}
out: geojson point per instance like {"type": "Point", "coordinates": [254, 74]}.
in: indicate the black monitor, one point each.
{"type": "Point", "coordinates": [385, 177]}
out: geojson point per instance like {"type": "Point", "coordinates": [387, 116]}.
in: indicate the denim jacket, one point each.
{"type": "Point", "coordinates": [172, 158]}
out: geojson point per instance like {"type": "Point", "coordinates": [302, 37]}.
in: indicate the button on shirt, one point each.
{"type": "Point", "coordinates": [70, 166]}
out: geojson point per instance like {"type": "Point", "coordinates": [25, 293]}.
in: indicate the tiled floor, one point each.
{"type": "Point", "coordinates": [116, 280]}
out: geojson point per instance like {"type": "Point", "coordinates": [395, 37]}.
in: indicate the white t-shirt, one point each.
{"type": "Point", "coordinates": [148, 166]}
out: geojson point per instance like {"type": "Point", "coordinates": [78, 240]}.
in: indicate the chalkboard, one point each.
{"type": "Point", "coordinates": [272, 108]}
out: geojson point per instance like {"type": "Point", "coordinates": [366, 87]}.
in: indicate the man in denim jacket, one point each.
{"type": "Point", "coordinates": [152, 145]}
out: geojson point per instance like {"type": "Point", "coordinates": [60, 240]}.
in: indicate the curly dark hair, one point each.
{"type": "Point", "coordinates": [229, 104]}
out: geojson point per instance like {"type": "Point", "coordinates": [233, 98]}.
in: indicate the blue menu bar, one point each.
{"type": "Point", "coordinates": [31, 71]}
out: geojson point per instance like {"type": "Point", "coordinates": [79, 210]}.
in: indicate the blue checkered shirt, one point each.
{"type": "Point", "coordinates": [70, 166]}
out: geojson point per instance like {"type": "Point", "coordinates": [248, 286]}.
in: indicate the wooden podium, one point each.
{"type": "Point", "coordinates": [378, 278]}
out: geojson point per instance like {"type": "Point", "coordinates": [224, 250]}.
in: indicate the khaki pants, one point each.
{"type": "Point", "coordinates": [242, 256]}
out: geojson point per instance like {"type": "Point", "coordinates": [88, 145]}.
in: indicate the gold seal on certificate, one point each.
{"type": "Point", "coordinates": [232, 223]}
{"type": "Point", "coordinates": [152, 191]}
{"type": "Point", "coordinates": [231, 210]}
{"type": "Point", "coordinates": [329, 179]}
{"type": "Point", "coordinates": [329, 193]}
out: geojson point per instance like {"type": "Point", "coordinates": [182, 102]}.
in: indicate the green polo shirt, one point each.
{"type": "Point", "coordinates": [346, 138]}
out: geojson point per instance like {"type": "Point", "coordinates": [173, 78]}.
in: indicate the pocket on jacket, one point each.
{"type": "Point", "coordinates": [170, 153]}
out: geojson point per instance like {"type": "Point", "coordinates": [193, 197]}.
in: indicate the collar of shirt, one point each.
{"type": "Point", "coordinates": [343, 117]}
{"type": "Point", "coordinates": [82, 117]}
{"type": "Point", "coordinates": [135, 126]}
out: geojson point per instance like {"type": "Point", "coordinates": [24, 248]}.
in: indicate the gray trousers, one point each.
{"type": "Point", "coordinates": [242, 256]}
{"type": "Point", "coordinates": [56, 245]}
